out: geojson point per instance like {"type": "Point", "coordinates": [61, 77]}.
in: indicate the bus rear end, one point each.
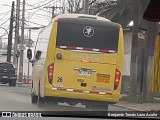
{"type": "Point", "coordinates": [87, 60]}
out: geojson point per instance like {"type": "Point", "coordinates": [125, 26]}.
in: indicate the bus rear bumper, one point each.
{"type": "Point", "coordinates": [110, 98]}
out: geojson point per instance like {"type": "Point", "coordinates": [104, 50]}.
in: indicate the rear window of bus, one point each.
{"type": "Point", "coordinates": [70, 33]}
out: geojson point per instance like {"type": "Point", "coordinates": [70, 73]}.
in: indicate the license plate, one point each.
{"type": "Point", "coordinates": [4, 76]}
{"type": "Point", "coordinates": [103, 78]}
{"type": "Point", "coordinates": [84, 72]}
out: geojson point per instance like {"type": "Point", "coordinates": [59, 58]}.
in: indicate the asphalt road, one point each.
{"type": "Point", "coordinates": [18, 99]}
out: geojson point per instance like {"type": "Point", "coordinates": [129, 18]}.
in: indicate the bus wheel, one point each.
{"type": "Point", "coordinates": [34, 98]}
{"type": "Point", "coordinates": [38, 97]}
{"type": "Point", "coordinates": [12, 83]}
{"type": "Point", "coordinates": [40, 100]}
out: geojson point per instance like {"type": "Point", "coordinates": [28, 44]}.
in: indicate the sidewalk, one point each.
{"type": "Point", "coordinates": [140, 106]}
{"type": "Point", "coordinates": [145, 106]}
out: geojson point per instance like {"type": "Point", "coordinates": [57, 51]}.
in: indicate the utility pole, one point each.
{"type": "Point", "coordinates": [9, 48]}
{"type": "Point", "coordinates": [22, 45]}
{"type": "Point", "coordinates": [15, 57]}
{"type": "Point", "coordinates": [134, 53]}
{"type": "Point", "coordinates": [29, 48]}
{"type": "Point", "coordinates": [86, 7]}
{"type": "Point", "coordinates": [53, 9]}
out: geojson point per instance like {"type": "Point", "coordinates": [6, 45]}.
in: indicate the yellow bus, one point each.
{"type": "Point", "coordinates": [78, 59]}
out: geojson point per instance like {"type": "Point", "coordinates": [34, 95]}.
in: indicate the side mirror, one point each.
{"type": "Point", "coordinates": [38, 55]}
{"type": "Point", "coordinates": [29, 54]}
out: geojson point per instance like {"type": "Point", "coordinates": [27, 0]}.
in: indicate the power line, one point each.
{"type": "Point", "coordinates": [37, 8]}
{"type": "Point", "coordinates": [5, 15]}
{"type": "Point", "coordinates": [39, 2]}
{"type": "Point", "coordinates": [5, 22]}
{"type": "Point", "coordinates": [35, 23]}
{"type": "Point", "coordinates": [40, 15]}
{"type": "Point", "coordinates": [40, 6]}
{"type": "Point", "coordinates": [5, 33]}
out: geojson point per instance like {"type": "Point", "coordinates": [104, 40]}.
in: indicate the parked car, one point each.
{"type": "Point", "coordinates": [8, 73]}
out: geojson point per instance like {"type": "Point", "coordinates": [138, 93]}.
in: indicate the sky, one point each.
{"type": "Point", "coordinates": [36, 15]}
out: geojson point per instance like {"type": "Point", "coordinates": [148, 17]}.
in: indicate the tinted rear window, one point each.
{"type": "Point", "coordinates": [70, 33]}
{"type": "Point", "coordinates": [6, 66]}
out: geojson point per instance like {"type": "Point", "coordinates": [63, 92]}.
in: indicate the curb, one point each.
{"type": "Point", "coordinates": [125, 107]}
{"type": "Point", "coordinates": [20, 84]}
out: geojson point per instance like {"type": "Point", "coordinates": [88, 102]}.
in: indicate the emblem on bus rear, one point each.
{"type": "Point", "coordinates": [88, 31]}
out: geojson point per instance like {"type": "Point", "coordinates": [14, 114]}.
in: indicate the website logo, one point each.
{"type": "Point", "coordinates": [88, 31]}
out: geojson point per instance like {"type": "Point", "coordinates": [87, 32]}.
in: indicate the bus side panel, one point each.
{"type": "Point", "coordinates": [35, 79]}
{"type": "Point", "coordinates": [120, 57]}
{"type": "Point", "coordinates": [42, 77]}
{"type": "Point", "coordinates": [50, 56]}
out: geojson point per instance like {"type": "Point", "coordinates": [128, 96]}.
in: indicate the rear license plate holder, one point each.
{"type": "Point", "coordinates": [84, 72]}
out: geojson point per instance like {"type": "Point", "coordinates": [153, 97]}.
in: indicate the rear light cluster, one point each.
{"type": "Point", "coordinates": [50, 73]}
{"type": "Point", "coordinates": [117, 79]}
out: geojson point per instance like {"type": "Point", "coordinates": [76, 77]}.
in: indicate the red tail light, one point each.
{"type": "Point", "coordinates": [50, 73]}
{"type": "Point", "coordinates": [117, 79]}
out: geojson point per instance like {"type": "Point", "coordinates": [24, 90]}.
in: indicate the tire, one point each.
{"type": "Point", "coordinates": [12, 83]}
{"type": "Point", "coordinates": [34, 98]}
{"type": "Point", "coordinates": [3, 82]}
{"type": "Point", "coordinates": [40, 101]}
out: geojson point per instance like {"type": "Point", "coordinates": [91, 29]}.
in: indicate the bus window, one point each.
{"type": "Point", "coordinates": [71, 34]}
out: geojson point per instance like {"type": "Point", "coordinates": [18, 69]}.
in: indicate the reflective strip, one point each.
{"type": "Point", "coordinates": [97, 50]}
{"type": "Point", "coordinates": [63, 46]}
{"type": "Point", "coordinates": [94, 92]}
{"type": "Point", "coordinates": [63, 89]}
{"type": "Point", "coordinates": [85, 91]}
{"type": "Point", "coordinates": [78, 91]}
{"type": "Point", "coordinates": [71, 47]}
{"type": "Point", "coordinates": [70, 90]}
{"type": "Point", "coordinates": [112, 51]}
{"type": "Point", "coordinates": [54, 89]}
{"type": "Point", "coordinates": [103, 50]}
{"type": "Point", "coordinates": [87, 49]}
{"type": "Point", "coordinates": [81, 91]}
{"type": "Point", "coordinates": [109, 93]}
{"type": "Point", "coordinates": [79, 48]}
{"type": "Point", "coordinates": [102, 93]}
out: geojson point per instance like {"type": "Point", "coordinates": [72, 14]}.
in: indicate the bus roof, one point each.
{"type": "Point", "coordinates": [81, 16]}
